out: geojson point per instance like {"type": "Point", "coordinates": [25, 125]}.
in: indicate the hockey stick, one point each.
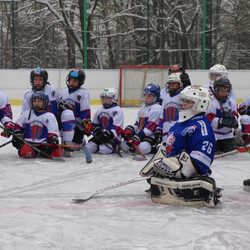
{"type": "Point", "coordinates": [225, 154]}
{"type": "Point", "coordinates": [6, 143]}
{"type": "Point", "coordinates": [136, 157]}
{"type": "Point", "coordinates": [86, 151]}
{"type": "Point", "coordinates": [139, 151]}
{"type": "Point", "coordinates": [97, 138]}
{"type": "Point", "coordinates": [84, 197]}
{"type": "Point", "coordinates": [33, 147]}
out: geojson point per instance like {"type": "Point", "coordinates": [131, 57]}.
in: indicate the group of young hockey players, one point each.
{"type": "Point", "coordinates": [182, 125]}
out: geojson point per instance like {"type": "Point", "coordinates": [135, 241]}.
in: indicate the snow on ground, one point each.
{"type": "Point", "coordinates": [36, 211]}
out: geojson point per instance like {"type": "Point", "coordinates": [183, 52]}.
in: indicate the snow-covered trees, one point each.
{"type": "Point", "coordinates": [49, 33]}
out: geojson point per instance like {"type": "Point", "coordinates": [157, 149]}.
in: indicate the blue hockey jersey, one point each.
{"type": "Point", "coordinates": [196, 137]}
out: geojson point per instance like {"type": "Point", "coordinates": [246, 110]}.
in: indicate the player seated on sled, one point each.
{"type": "Point", "coordinates": [37, 126]}
{"type": "Point", "coordinates": [181, 166]}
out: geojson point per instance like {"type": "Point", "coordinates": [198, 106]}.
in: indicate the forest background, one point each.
{"type": "Point", "coordinates": [101, 34]}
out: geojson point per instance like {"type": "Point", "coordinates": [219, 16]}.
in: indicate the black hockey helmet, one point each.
{"type": "Point", "coordinates": [78, 74]}
{"type": "Point", "coordinates": [38, 72]}
{"type": "Point", "coordinates": [222, 83]}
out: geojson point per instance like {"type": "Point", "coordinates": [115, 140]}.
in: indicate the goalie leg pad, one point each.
{"type": "Point", "coordinates": [200, 191]}
{"type": "Point", "coordinates": [148, 168]}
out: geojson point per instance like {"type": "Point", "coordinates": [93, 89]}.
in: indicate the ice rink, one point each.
{"type": "Point", "coordinates": [36, 211]}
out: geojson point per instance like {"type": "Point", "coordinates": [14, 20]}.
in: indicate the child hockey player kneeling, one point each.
{"type": "Point", "coordinates": [181, 167]}
{"type": "Point", "coordinates": [37, 126]}
{"type": "Point", "coordinates": [108, 124]}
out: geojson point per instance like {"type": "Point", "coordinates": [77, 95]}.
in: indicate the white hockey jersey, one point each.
{"type": "Point", "coordinates": [208, 85]}
{"type": "Point", "coordinates": [5, 109]}
{"type": "Point", "coordinates": [169, 115]}
{"type": "Point", "coordinates": [215, 113]}
{"type": "Point", "coordinates": [164, 94]}
{"type": "Point", "coordinates": [148, 118]}
{"type": "Point", "coordinates": [37, 127]}
{"type": "Point", "coordinates": [245, 102]}
{"type": "Point", "coordinates": [80, 101]}
{"type": "Point", "coordinates": [50, 91]}
{"type": "Point", "coordinates": [110, 119]}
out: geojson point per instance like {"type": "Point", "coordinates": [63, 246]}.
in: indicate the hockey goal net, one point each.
{"type": "Point", "coordinates": [133, 80]}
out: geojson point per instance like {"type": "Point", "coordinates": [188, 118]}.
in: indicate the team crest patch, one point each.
{"type": "Point", "coordinates": [114, 113]}
{"type": "Point", "coordinates": [36, 129]}
{"type": "Point", "coordinates": [171, 112]}
{"type": "Point", "coordinates": [188, 131]}
{"type": "Point", "coordinates": [78, 97]}
{"type": "Point", "coordinates": [104, 120]}
{"type": "Point", "coordinates": [53, 93]}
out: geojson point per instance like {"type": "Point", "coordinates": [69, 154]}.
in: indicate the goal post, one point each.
{"type": "Point", "coordinates": [134, 78]}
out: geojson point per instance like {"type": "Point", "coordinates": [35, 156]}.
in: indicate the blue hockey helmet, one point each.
{"type": "Point", "coordinates": [154, 90]}
{"type": "Point", "coordinates": [42, 96]}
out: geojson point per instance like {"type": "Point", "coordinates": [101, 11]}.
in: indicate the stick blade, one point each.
{"type": "Point", "coordinates": [139, 158]}
{"type": "Point", "coordinates": [82, 198]}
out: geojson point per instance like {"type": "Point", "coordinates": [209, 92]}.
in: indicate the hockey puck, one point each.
{"type": "Point", "coordinates": [246, 185]}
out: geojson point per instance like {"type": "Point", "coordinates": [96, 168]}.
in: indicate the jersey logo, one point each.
{"type": "Point", "coordinates": [105, 120]}
{"type": "Point", "coordinates": [171, 112]}
{"type": "Point", "coordinates": [36, 129]}
{"type": "Point", "coordinates": [170, 141]}
{"type": "Point", "coordinates": [188, 131]}
{"type": "Point", "coordinates": [142, 121]}
{"type": "Point", "coordinates": [78, 97]}
{"type": "Point", "coordinates": [53, 93]}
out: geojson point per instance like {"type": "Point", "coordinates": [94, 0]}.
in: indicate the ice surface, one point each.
{"type": "Point", "coordinates": [36, 211]}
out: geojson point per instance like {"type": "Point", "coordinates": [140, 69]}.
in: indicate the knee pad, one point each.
{"type": "Point", "coordinates": [199, 191]}
{"type": "Point", "coordinates": [27, 152]}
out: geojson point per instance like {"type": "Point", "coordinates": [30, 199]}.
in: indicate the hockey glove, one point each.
{"type": "Point", "coordinates": [8, 129]}
{"type": "Point", "coordinates": [107, 136]}
{"type": "Point", "coordinates": [228, 120]}
{"type": "Point", "coordinates": [17, 140]}
{"type": "Point", "coordinates": [88, 126]}
{"type": "Point", "coordinates": [63, 105]}
{"type": "Point", "coordinates": [128, 132]}
{"type": "Point", "coordinates": [53, 139]}
{"type": "Point", "coordinates": [185, 79]}
{"type": "Point", "coordinates": [158, 136]}
{"type": "Point", "coordinates": [244, 110]}
{"type": "Point", "coordinates": [135, 140]}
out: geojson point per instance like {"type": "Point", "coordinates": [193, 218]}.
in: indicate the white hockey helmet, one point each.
{"type": "Point", "coordinates": [201, 98]}
{"type": "Point", "coordinates": [109, 92]}
{"type": "Point", "coordinates": [174, 77]}
{"type": "Point", "coordinates": [217, 69]}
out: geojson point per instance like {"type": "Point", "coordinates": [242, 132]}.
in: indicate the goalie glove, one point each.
{"type": "Point", "coordinates": [88, 126]}
{"type": "Point", "coordinates": [181, 166]}
{"type": "Point", "coordinates": [63, 105]}
{"type": "Point", "coordinates": [8, 129]}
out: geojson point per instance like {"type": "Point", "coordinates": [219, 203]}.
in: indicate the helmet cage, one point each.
{"type": "Point", "coordinates": [42, 96]}
{"type": "Point", "coordinates": [174, 78]}
{"type": "Point", "coordinates": [201, 98]}
{"type": "Point", "coordinates": [109, 92]}
{"type": "Point", "coordinates": [222, 83]}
